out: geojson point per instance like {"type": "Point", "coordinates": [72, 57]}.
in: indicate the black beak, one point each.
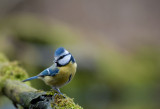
{"type": "Point", "coordinates": [55, 61]}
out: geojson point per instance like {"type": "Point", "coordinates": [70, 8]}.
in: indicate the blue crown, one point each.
{"type": "Point", "coordinates": [59, 51]}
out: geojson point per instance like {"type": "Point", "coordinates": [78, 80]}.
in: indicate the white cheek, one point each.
{"type": "Point", "coordinates": [64, 60]}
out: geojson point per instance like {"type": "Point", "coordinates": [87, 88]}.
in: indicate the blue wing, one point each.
{"type": "Point", "coordinates": [51, 71]}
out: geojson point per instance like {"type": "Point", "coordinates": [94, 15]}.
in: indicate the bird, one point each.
{"type": "Point", "coordinates": [61, 72]}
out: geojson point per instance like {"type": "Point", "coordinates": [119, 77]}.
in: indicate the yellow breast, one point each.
{"type": "Point", "coordinates": [65, 74]}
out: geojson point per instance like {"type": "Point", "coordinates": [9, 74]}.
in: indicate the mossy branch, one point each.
{"type": "Point", "coordinates": [11, 86]}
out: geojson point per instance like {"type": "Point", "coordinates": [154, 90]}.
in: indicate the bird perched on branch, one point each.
{"type": "Point", "coordinates": [61, 72]}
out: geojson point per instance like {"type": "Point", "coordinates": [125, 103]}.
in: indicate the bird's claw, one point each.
{"type": "Point", "coordinates": [59, 95]}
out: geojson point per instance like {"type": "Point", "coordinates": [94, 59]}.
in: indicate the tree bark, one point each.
{"type": "Point", "coordinates": [26, 96]}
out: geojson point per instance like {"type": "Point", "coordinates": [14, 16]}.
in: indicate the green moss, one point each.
{"type": "Point", "coordinates": [64, 103]}
{"type": "Point", "coordinates": [3, 58]}
{"type": "Point", "coordinates": [17, 98]}
{"type": "Point", "coordinates": [10, 70]}
{"type": "Point", "coordinates": [50, 92]}
{"type": "Point", "coordinates": [39, 91]}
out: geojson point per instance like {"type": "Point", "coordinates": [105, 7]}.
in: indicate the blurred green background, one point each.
{"type": "Point", "coordinates": [116, 45]}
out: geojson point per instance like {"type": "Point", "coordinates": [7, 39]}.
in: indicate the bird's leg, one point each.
{"type": "Point", "coordinates": [59, 92]}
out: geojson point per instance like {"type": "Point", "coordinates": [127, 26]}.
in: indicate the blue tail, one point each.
{"type": "Point", "coordinates": [31, 78]}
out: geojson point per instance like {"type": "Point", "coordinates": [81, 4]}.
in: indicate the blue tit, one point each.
{"type": "Point", "coordinates": [61, 72]}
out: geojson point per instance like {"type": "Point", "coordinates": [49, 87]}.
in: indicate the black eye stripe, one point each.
{"type": "Point", "coordinates": [62, 56]}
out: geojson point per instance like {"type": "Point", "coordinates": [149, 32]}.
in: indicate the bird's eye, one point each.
{"type": "Point", "coordinates": [61, 57]}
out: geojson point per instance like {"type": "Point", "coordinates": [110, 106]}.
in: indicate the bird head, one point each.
{"type": "Point", "coordinates": [62, 57]}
